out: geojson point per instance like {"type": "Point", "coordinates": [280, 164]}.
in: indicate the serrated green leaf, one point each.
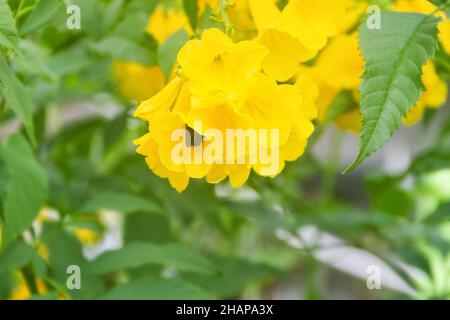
{"type": "Point", "coordinates": [168, 51]}
{"type": "Point", "coordinates": [27, 189]}
{"type": "Point", "coordinates": [16, 97]}
{"type": "Point", "coordinates": [392, 83]}
{"type": "Point", "coordinates": [135, 255]}
{"type": "Point", "coordinates": [191, 9]}
{"type": "Point", "coordinates": [120, 202]}
{"type": "Point", "coordinates": [150, 288]}
{"type": "Point", "coordinates": [42, 13]}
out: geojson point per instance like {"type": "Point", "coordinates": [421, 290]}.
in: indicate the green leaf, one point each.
{"type": "Point", "coordinates": [27, 190]}
{"type": "Point", "coordinates": [191, 9]}
{"type": "Point", "coordinates": [42, 13]}
{"type": "Point", "coordinates": [8, 31]}
{"type": "Point", "coordinates": [392, 81]}
{"type": "Point", "coordinates": [154, 288]}
{"type": "Point", "coordinates": [235, 275]}
{"type": "Point", "coordinates": [167, 52]}
{"type": "Point", "coordinates": [122, 48]}
{"type": "Point", "coordinates": [135, 255]}
{"type": "Point", "coordinates": [120, 202]}
{"type": "Point", "coordinates": [78, 57]}
{"type": "Point", "coordinates": [112, 12]}
{"type": "Point", "coordinates": [64, 250]}
{"type": "Point", "coordinates": [16, 97]}
{"type": "Point", "coordinates": [387, 195]}
{"type": "Point", "coordinates": [439, 2]}
{"type": "Point", "coordinates": [15, 256]}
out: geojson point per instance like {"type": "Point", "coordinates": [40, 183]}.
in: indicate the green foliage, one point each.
{"type": "Point", "coordinates": [120, 202]}
{"type": "Point", "coordinates": [16, 96]}
{"type": "Point", "coordinates": [344, 102]}
{"type": "Point", "coordinates": [27, 190]}
{"type": "Point", "coordinates": [192, 10]}
{"type": "Point", "coordinates": [135, 255]}
{"type": "Point", "coordinates": [156, 289]}
{"type": "Point", "coordinates": [15, 256]}
{"type": "Point", "coordinates": [8, 31]}
{"type": "Point", "coordinates": [44, 11]}
{"type": "Point", "coordinates": [392, 84]}
{"type": "Point", "coordinates": [167, 52]}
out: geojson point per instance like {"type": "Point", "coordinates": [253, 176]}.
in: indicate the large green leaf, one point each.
{"type": "Point", "coordinates": [43, 12]}
{"type": "Point", "coordinates": [15, 256]}
{"type": "Point", "coordinates": [154, 288]}
{"type": "Point", "coordinates": [27, 190]}
{"type": "Point", "coordinates": [65, 250]}
{"type": "Point", "coordinates": [16, 96]}
{"type": "Point", "coordinates": [392, 83]}
{"type": "Point", "coordinates": [135, 255]}
{"type": "Point", "coordinates": [8, 31]}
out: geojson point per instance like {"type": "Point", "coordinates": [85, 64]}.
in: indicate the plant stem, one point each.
{"type": "Point", "coordinates": [331, 168]}
{"type": "Point", "coordinates": [29, 279]}
{"type": "Point", "coordinates": [19, 8]}
{"type": "Point", "coordinates": [225, 17]}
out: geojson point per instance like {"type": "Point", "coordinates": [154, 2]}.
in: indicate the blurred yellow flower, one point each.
{"type": "Point", "coordinates": [86, 236]}
{"type": "Point", "coordinates": [296, 33]}
{"type": "Point", "coordinates": [137, 82]}
{"type": "Point", "coordinates": [221, 88]}
{"type": "Point", "coordinates": [354, 10]}
{"type": "Point", "coordinates": [22, 292]}
{"type": "Point", "coordinates": [433, 97]}
{"type": "Point", "coordinates": [163, 22]}
{"type": "Point", "coordinates": [43, 252]}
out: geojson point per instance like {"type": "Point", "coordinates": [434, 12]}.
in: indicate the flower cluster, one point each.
{"type": "Point", "coordinates": [220, 88]}
{"type": "Point", "coordinates": [285, 63]}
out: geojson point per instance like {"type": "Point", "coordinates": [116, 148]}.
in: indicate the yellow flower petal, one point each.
{"type": "Point", "coordinates": [285, 54]}
{"type": "Point", "coordinates": [162, 101]}
{"type": "Point", "coordinates": [138, 82]}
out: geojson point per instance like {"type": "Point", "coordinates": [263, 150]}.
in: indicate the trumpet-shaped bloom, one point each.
{"type": "Point", "coordinates": [215, 62]}
{"type": "Point", "coordinates": [302, 28]}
